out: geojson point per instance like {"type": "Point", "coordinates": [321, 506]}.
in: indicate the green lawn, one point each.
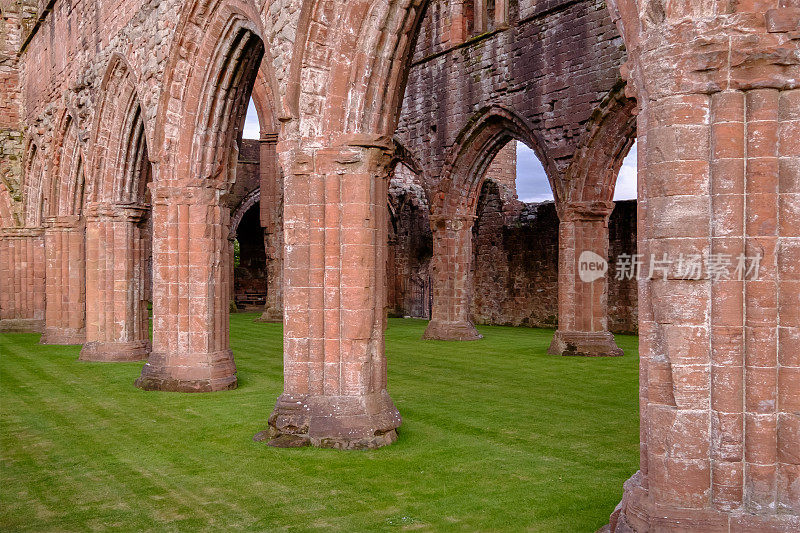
{"type": "Point", "coordinates": [496, 435]}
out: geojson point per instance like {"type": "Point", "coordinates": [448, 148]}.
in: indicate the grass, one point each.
{"type": "Point", "coordinates": [496, 435]}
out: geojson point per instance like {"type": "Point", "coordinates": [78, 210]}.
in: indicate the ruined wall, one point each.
{"type": "Point", "coordinates": [250, 276]}
{"type": "Point", "coordinates": [623, 303]}
{"type": "Point", "coordinates": [552, 65]}
{"type": "Point", "coordinates": [15, 17]}
{"type": "Point", "coordinates": [515, 262]}
{"type": "Point", "coordinates": [410, 247]}
{"type": "Point", "coordinates": [248, 177]}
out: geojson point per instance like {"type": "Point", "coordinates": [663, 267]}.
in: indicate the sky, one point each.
{"type": "Point", "coordinates": [532, 185]}
{"type": "Point", "coordinates": [251, 128]}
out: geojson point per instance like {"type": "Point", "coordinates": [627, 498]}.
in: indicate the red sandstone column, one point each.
{"type": "Point", "coordinates": [191, 292]}
{"type": "Point", "coordinates": [719, 161]}
{"type": "Point", "coordinates": [22, 285]}
{"type": "Point", "coordinates": [335, 221]}
{"type": "Point", "coordinates": [582, 294]}
{"type": "Point", "coordinates": [452, 280]}
{"type": "Point", "coordinates": [116, 310]}
{"type": "Point", "coordinates": [65, 317]}
{"type": "Point", "coordinates": [271, 206]}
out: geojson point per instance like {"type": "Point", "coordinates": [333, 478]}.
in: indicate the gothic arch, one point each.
{"type": "Point", "coordinates": [592, 175]}
{"type": "Point", "coordinates": [66, 191]}
{"type": "Point", "coordinates": [243, 207]}
{"type": "Point", "coordinates": [476, 147]}
{"type": "Point", "coordinates": [120, 161]}
{"type": "Point", "coordinates": [218, 53]}
{"type": "Point", "coordinates": [32, 189]}
{"type": "Point", "coordinates": [362, 81]}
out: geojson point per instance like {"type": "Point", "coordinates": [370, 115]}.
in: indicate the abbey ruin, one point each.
{"type": "Point", "coordinates": [382, 183]}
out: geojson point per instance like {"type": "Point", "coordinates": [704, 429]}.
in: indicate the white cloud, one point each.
{"type": "Point", "coordinates": [251, 129]}
{"type": "Point", "coordinates": [532, 184]}
{"type": "Point", "coordinates": [626, 180]}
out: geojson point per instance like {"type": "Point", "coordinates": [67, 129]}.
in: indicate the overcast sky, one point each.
{"type": "Point", "coordinates": [532, 185]}
{"type": "Point", "coordinates": [251, 129]}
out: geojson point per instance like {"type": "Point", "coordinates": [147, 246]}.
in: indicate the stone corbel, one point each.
{"type": "Point", "coordinates": [586, 211]}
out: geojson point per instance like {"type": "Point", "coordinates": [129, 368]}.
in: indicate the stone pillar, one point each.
{"type": "Point", "coordinates": [335, 249]}
{"type": "Point", "coordinates": [451, 267]}
{"type": "Point", "coordinates": [191, 292]}
{"type": "Point", "coordinates": [719, 166]}
{"type": "Point", "coordinates": [22, 285]}
{"type": "Point", "coordinates": [116, 309]}
{"type": "Point", "coordinates": [271, 221]}
{"type": "Point", "coordinates": [583, 282]}
{"type": "Point", "coordinates": [65, 316]}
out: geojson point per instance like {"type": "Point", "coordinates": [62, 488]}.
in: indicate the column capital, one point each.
{"type": "Point", "coordinates": [189, 193]}
{"type": "Point", "coordinates": [590, 211]}
{"type": "Point", "coordinates": [350, 153]}
{"type": "Point", "coordinates": [268, 138]}
{"type": "Point", "coordinates": [106, 210]}
{"type": "Point", "coordinates": [21, 233]}
{"type": "Point", "coordinates": [452, 222]}
{"type": "Point", "coordinates": [64, 222]}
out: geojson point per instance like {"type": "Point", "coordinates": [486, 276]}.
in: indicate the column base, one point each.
{"type": "Point", "coordinates": [587, 344]}
{"type": "Point", "coordinates": [66, 336]}
{"type": "Point", "coordinates": [21, 325]}
{"type": "Point", "coordinates": [637, 513]}
{"type": "Point", "coordinates": [114, 352]}
{"type": "Point", "coordinates": [270, 315]}
{"type": "Point", "coordinates": [451, 331]}
{"type": "Point", "coordinates": [204, 372]}
{"type": "Point", "coordinates": [341, 422]}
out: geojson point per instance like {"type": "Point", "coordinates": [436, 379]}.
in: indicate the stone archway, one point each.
{"type": "Point", "coordinates": [191, 351]}
{"type": "Point", "coordinates": [249, 279]}
{"type": "Point", "coordinates": [65, 276]}
{"type": "Point", "coordinates": [453, 215]}
{"type": "Point", "coordinates": [117, 213]}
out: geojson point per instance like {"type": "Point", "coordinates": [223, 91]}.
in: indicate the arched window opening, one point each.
{"type": "Point", "coordinates": [515, 243]}
{"type": "Point", "coordinates": [410, 246]}
{"type": "Point", "coordinates": [532, 185]}
{"type": "Point", "coordinates": [251, 128]}
{"type": "Point", "coordinates": [626, 188]}
{"type": "Point", "coordinates": [249, 273]}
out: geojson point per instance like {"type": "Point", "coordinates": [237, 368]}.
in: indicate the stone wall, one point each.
{"type": "Point", "coordinates": [551, 64]}
{"type": "Point", "coordinates": [515, 262]}
{"type": "Point", "coordinates": [250, 276]}
{"type": "Point", "coordinates": [515, 255]}
{"type": "Point", "coordinates": [410, 247]}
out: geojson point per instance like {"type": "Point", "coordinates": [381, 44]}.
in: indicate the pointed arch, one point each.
{"type": "Point", "coordinates": [220, 55]}
{"type": "Point", "coordinates": [592, 174]}
{"type": "Point", "coordinates": [120, 161]}
{"type": "Point", "coordinates": [475, 148]}
{"type": "Point", "coordinates": [33, 181]}
{"type": "Point", "coordinates": [244, 206]}
{"type": "Point", "coordinates": [362, 80]}
{"type": "Point", "coordinates": [66, 190]}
